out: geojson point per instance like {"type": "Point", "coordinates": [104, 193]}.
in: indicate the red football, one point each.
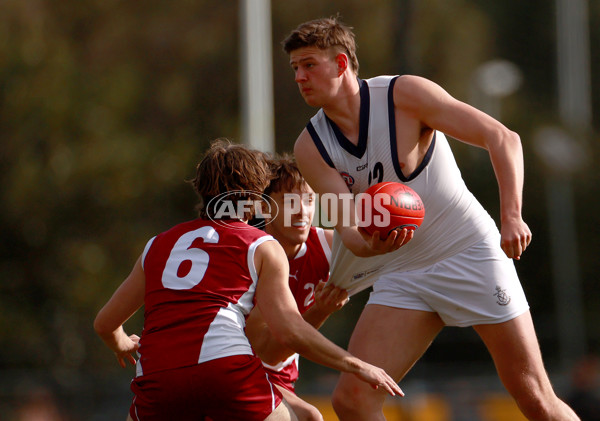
{"type": "Point", "coordinates": [387, 206]}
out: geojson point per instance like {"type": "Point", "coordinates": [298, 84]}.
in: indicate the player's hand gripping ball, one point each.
{"type": "Point", "coordinates": [403, 206]}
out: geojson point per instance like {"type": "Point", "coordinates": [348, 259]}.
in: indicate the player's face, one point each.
{"type": "Point", "coordinates": [316, 74]}
{"type": "Point", "coordinates": [292, 224]}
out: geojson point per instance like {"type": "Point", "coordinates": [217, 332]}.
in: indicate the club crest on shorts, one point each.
{"type": "Point", "coordinates": [503, 297]}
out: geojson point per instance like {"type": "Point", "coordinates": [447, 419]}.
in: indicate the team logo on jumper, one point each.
{"type": "Point", "coordinates": [239, 204]}
{"type": "Point", "coordinates": [348, 179]}
{"type": "Point", "coordinates": [503, 297]}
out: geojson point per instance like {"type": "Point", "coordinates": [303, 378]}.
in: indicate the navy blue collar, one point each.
{"type": "Point", "coordinates": [359, 149]}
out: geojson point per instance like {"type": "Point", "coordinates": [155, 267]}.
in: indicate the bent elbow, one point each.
{"type": "Point", "coordinates": [509, 137]}
{"type": "Point", "coordinates": [503, 139]}
{"type": "Point", "coordinates": [101, 327]}
{"type": "Point", "coordinates": [290, 338]}
{"type": "Point", "coordinates": [513, 137]}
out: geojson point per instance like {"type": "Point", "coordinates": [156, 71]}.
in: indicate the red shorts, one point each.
{"type": "Point", "coordinates": [281, 380]}
{"type": "Point", "coordinates": [228, 389]}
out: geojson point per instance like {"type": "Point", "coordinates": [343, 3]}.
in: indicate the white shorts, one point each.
{"type": "Point", "coordinates": [477, 286]}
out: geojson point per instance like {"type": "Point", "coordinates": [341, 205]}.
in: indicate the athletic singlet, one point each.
{"type": "Point", "coordinates": [200, 285]}
{"type": "Point", "coordinates": [309, 267]}
{"type": "Point", "coordinates": [454, 219]}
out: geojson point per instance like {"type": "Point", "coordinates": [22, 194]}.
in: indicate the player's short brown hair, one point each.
{"type": "Point", "coordinates": [324, 34]}
{"type": "Point", "coordinates": [285, 175]}
{"type": "Point", "coordinates": [228, 167]}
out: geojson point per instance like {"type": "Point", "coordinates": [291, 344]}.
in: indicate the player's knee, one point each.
{"type": "Point", "coordinates": [338, 400]}
{"type": "Point", "coordinates": [345, 400]}
{"type": "Point", "coordinates": [341, 405]}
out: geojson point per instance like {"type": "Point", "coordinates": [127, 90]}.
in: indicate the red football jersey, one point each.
{"type": "Point", "coordinates": [200, 285]}
{"type": "Point", "coordinates": [309, 267]}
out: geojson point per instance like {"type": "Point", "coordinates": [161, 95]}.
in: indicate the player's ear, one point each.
{"type": "Point", "coordinates": [341, 60]}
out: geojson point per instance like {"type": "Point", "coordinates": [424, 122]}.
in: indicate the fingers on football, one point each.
{"type": "Point", "coordinates": [400, 237]}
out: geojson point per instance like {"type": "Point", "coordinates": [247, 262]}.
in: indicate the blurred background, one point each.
{"type": "Point", "coordinates": [107, 105]}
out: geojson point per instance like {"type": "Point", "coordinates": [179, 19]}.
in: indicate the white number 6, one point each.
{"type": "Point", "coordinates": [196, 258]}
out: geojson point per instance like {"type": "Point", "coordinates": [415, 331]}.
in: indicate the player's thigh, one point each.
{"type": "Point", "coordinates": [390, 338]}
{"type": "Point", "coordinates": [283, 412]}
{"type": "Point", "coordinates": [393, 338]}
{"type": "Point", "coordinates": [514, 348]}
{"type": "Point", "coordinates": [303, 410]}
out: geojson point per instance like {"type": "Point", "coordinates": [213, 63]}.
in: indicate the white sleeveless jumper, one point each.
{"type": "Point", "coordinates": [454, 219]}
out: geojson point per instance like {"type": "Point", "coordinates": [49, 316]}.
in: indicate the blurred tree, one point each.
{"type": "Point", "coordinates": [105, 109]}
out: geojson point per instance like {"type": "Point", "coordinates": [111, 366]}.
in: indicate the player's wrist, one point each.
{"type": "Point", "coordinates": [352, 364]}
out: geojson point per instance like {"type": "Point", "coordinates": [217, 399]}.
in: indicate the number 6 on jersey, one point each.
{"type": "Point", "coordinates": [187, 263]}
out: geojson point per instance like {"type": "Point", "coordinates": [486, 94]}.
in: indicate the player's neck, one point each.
{"type": "Point", "coordinates": [344, 109]}
{"type": "Point", "coordinates": [291, 250]}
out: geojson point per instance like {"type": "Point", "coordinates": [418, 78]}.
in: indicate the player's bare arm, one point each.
{"type": "Point", "coordinates": [428, 103]}
{"type": "Point", "coordinates": [267, 348]}
{"type": "Point", "coordinates": [126, 300]}
{"type": "Point", "coordinates": [324, 179]}
{"type": "Point", "coordinates": [328, 299]}
{"type": "Point", "coordinates": [280, 312]}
